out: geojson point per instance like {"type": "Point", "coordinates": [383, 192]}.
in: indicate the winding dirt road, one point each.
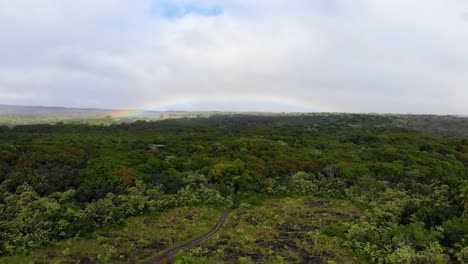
{"type": "Point", "coordinates": [196, 241]}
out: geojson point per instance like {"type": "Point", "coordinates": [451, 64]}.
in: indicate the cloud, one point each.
{"type": "Point", "coordinates": [464, 15]}
{"type": "Point", "coordinates": [334, 55]}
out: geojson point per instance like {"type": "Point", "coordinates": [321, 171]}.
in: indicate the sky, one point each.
{"type": "Point", "coordinates": [386, 56]}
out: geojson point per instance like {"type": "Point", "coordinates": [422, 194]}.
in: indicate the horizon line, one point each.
{"type": "Point", "coordinates": [228, 111]}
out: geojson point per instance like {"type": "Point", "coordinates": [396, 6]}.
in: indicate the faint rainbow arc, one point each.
{"type": "Point", "coordinates": [183, 104]}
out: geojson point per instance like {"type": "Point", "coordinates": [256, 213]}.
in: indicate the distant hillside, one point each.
{"type": "Point", "coordinates": [444, 126]}
{"type": "Point", "coordinates": [24, 115]}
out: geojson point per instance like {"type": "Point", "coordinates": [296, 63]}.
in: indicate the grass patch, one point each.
{"type": "Point", "coordinates": [137, 239]}
{"type": "Point", "coordinates": [286, 230]}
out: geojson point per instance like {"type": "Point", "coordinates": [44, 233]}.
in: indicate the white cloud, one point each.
{"type": "Point", "coordinates": [334, 55]}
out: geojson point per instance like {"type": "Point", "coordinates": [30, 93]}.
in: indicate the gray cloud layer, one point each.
{"type": "Point", "coordinates": [330, 55]}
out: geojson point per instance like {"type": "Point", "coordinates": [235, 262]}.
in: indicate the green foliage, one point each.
{"type": "Point", "coordinates": [60, 181]}
{"type": "Point", "coordinates": [280, 230]}
{"type": "Point", "coordinates": [303, 183]}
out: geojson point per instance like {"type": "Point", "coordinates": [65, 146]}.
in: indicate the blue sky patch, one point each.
{"type": "Point", "coordinates": [174, 11]}
{"type": "Point", "coordinates": [118, 25]}
{"type": "Point", "coordinates": [327, 7]}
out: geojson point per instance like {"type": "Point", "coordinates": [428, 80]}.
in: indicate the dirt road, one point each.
{"type": "Point", "coordinates": [196, 241]}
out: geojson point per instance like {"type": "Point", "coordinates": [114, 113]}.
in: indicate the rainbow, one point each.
{"type": "Point", "coordinates": [222, 104]}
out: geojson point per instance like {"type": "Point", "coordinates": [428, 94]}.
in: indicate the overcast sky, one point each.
{"type": "Point", "coordinates": [400, 56]}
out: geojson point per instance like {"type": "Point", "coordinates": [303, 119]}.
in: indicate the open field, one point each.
{"type": "Point", "coordinates": [287, 230]}
{"type": "Point", "coordinates": [278, 230]}
{"type": "Point", "coordinates": [134, 240]}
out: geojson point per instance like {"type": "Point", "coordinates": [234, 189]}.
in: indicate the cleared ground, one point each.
{"type": "Point", "coordinates": [280, 231]}
{"type": "Point", "coordinates": [138, 239]}
{"type": "Point", "coordinates": [286, 230]}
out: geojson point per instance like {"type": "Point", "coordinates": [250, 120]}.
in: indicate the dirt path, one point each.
{"type": "Point", "coordinates": [196, 241]}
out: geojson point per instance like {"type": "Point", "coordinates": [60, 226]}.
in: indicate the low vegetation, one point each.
{"type": "Point", "coordinates": [133, 241]}
{"type": "Point", "coordinates": [288, 230]}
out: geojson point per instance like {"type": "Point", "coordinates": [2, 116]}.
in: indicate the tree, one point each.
{"type": "Point", "coordinates": [228, 173]}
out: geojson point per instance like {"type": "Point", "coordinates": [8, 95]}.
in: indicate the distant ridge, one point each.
{"type": "Point", "coordinates": [11, 115]}
{"type": "Point", "coordinates": [49, 107]}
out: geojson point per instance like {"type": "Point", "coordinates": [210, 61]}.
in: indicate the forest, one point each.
{"type": "Point", "coordinates": [384, 190]}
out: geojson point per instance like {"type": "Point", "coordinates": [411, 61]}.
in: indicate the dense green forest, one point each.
{"type": "Point", "coordinates": [410, 188]}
